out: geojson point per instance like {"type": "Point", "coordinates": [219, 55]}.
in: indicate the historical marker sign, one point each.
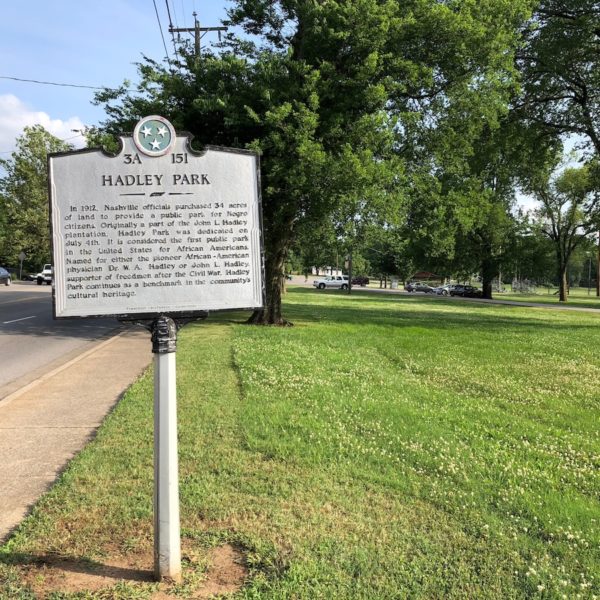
{"type": "Point", "coordinates": [155, 233]}
{"type": "Point", "coordinates": [156, 229]}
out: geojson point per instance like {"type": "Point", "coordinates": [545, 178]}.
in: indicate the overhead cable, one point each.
{"type": "Point", "coordinates": [161, 30]}
{"type": "Point", "coordinates": [73, 85]}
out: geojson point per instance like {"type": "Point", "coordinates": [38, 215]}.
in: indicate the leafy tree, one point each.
{"type": "Point", "coordinates": [337, 97]}
{"type": "Point", "coordinates": [24, 203]}
{"type": "Point", "coordinates": [530, 254]}
{"type": "Point", "coordinates": [493, 175]}
{"type": "Point", "coordinates": [560, 64]}
{"type": "Point", "coordinates": [567, 215]}
{"type": "Point", "coordinates": [318, 247]}
{"type": "Point", "coordinates": [385, 251]}
{"type": "Point", "coordinates": [461, 221]}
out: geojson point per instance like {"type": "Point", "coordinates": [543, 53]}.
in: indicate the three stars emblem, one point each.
{"type": "Point", "coordinates": [154, 136]}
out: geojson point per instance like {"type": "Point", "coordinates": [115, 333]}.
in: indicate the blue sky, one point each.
{"type": "Point", "coordinates": [82, 42]}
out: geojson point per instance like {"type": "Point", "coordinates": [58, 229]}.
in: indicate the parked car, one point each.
{"type": "Point", "coordinates": [466, 291]}
{"type": "Point", "coordinates": [442, 290]}
{"type": "Point", "coordinates": [418, 287]}
{"type": "Point", "coordinates": [334, 282]}
{"type": "Point", "coordinates": [4, 276]}
{"type": "Point", "coordinates": [45, 275]}
{"type": "Point", "coordinates": [362, 281]}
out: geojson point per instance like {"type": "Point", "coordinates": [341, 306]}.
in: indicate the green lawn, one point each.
{"type": "Point", "coordinates": [384, 447]}
{"type": "Point", "coordinates": [577, 297]}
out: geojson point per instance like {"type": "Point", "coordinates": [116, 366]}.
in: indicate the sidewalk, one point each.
{"type": "Point", "coordinates": [45, 424]}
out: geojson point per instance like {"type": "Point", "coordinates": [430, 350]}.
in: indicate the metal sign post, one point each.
{"type": "Point", "coordinates": [157, 235]}
{"type": "Point", "coordinates": [167, 543]}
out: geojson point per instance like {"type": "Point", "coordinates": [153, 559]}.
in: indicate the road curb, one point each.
{"type": "Point", "coordinates": [32, 384]}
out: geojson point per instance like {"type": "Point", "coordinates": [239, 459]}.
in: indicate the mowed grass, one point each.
{"type": "Point", "coordinates": [384, 447]}
{"type": "Point", "coordinates": [577, 297]}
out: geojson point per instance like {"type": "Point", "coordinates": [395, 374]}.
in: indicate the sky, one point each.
{"type": "Point", "coordinates": [83, 43]}
{"type": "Point", "coordinates": [80, 42]}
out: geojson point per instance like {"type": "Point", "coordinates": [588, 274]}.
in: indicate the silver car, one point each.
{"type": "Point", "coordinates": [334, 282]}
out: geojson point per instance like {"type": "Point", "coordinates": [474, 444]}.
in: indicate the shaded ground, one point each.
{"type": "Point", "coordinates": [220, 571]}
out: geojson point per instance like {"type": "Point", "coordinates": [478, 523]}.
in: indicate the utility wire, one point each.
{"type": "Point", "coordinates": [174, 9]}
{"type": "Point", "coordinates": [73, 85]}
{"type": "Point", "coordinates": [171, 28]}
{"type": "Point", "coordinates": [161, 31]}
{"type": "Point", "coordinates": [175, 15]}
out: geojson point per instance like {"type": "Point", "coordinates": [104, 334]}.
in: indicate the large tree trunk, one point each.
{"type": "Point", "coordinates": [488, 272]}
{"type": "Point", "coordinates": [562, 283]}
{"type": "Point", "coordinates": [276, 251]}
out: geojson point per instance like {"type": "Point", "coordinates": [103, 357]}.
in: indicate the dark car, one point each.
{"type": "Point", "coordinates": [362, 281]}
{"type": "Point", "coordinates": [418, 287]}
{"type": "Point", "coordinates": [466, 291]}
{"type": "Point", "coordinates": [4, 276]}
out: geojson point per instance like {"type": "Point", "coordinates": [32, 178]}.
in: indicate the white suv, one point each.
{"type": "Point", "coordinates": [336, 282]}
{"type": "Point", "coordinates": [45, 276]}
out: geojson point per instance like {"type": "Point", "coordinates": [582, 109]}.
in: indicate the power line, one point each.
{"type": "Point", "coordinates": [197, 32]}
{"type": "Point", "coordinates": [171, 28]}
{"type": "Point", "coordinates": [182, 10]}
{"type": "Point", "coordinates": [73, 85]}
{"type": "Point", "coordinates": [161, 30]}
{"type": "Point", "coordinates": [175, 14]}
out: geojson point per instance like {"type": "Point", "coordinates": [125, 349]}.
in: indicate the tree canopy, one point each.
{"type": "Point", "coordinates": [568, 212]}
{"type": "Point", "coordinates": [347, 102]}
{"type": "Point", "coordinates": [24, 198]}
{"type": "Point", "coordinates": [560, 64]}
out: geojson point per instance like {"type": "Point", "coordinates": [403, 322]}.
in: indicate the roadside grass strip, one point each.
{"type": "Point", "coordinates": [383, 447]}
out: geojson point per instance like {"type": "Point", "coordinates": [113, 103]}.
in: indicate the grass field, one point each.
{"type": "Point", "coordinates": [577, 297]}
{"type": "Point", "coordinates": [384, 447]}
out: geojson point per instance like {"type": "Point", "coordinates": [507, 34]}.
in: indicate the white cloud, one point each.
{"type": "Point", "coordinates": [16, 115]}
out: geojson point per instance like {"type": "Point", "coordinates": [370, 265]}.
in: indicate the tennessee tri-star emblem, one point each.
{"type": "Point", "coordinates": [154, 136]}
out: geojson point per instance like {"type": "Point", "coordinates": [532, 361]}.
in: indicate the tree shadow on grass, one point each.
{"type": "Point", "coordinates": [469, 317]}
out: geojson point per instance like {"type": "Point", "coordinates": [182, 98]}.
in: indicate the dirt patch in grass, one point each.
{"type": "Point", "coordinates": [226, 574]}
{"type": "Point", "coordinates": [221, 570]}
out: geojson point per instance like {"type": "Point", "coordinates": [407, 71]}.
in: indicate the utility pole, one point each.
{"type": "Point", "coordinates": [197, 31]}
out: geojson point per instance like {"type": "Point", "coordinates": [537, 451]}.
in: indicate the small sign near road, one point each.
{"type": "Point", "coordinates": [155, 229]}
{"type": "Point", "coordinates": [161, 235]}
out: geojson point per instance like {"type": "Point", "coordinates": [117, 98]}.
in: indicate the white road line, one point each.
{"type": "Point", "coordinates": [15, 320]}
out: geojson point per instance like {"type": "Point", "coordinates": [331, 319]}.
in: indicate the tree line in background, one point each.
{"type": "Point", "coordinates": [399, 131]}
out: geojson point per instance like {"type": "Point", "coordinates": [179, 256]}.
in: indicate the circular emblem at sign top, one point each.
{"type": "Point", "coordinates": [154, 136]}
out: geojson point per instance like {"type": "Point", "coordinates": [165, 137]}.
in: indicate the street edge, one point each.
{"type": "Point", "coordinates": [32, 384]}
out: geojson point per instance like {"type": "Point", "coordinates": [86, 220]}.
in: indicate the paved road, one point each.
{"type": "Point", "coordinates": [32, 342]}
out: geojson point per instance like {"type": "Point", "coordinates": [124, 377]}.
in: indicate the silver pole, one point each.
{"type": "Point", "coordinates": [167, 537]}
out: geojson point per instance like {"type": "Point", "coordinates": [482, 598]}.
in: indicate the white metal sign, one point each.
{"type": "Point", "coordinates": [155, 229]}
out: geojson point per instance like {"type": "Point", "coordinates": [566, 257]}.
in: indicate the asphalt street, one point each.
{"type": "Point", "coordinates": [32, 342]}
